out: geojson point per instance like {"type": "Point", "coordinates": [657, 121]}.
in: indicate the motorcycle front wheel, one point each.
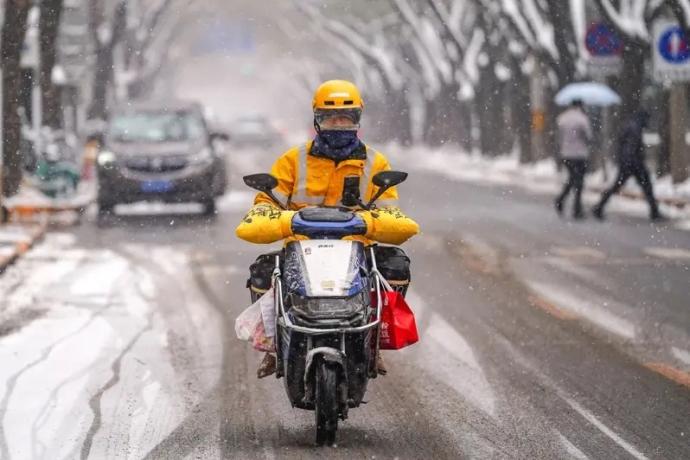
{"type": "Point", "coordinates": [326, 403]}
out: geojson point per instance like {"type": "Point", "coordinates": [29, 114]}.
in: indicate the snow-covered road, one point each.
{"type": "Point", "coordinates": [104, 351]}
{"type": "Point", "coordinates": [540, 338]}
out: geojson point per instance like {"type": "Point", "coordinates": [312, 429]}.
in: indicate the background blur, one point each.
{"type": "Point", "coordinates": [434, 72]}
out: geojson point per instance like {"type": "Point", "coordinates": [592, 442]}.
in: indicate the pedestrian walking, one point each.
{"type": "Point", "coordinates": [630, 159]}
{"type": "Point", "coordinates": [575, 136]}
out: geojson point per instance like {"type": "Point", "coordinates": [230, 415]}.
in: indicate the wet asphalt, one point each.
{"type": "Point", "coordinates": [508, 366]}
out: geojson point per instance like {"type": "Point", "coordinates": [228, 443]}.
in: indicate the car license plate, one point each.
{"type": "Point", "coordinates": [156, 186]}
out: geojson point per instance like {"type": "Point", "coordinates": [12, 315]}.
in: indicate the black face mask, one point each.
{"type": "Point", "coordinates": [338, 139]}
{"type": "Point", "coordinates": [336, 145]}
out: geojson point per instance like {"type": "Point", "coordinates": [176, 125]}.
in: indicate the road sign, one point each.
{"type": "Point", "coordinates": [602, 40]}
{"type": "Point", "coordinates": [605, 48]}
{"type": "Point", "coordinates": [671, 53]}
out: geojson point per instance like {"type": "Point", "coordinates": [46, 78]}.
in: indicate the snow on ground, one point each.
{"type": "Point", "coordinates": [450, 358]}
{"type": "Point", "coordinates": [83, 336]}
{"type": "Point", "coordinates": [12, 234]}
{"type": "Point", "coordinates": [28, 195]}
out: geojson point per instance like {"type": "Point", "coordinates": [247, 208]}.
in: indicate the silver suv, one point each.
{"type": "Point", "coordinates": [160, 152]}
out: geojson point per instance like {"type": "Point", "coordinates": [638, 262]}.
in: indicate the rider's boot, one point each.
{"type": "Point", "coordinates": [380, 365]}
{"type": "Point", "coordinates": [267, 367]}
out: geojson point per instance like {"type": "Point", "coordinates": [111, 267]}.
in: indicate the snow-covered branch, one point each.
{"type": "Point", "coordinates": [429, 41]}
{"type": "Point", "coordinates": [375, 48]}
{"type": "Point", "coordinates": [628, 17]}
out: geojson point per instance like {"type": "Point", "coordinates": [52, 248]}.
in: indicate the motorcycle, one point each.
{"type": "Point", "coordinates": [55, 171]}
{"type": "Point", "coordinates": [327, 327]}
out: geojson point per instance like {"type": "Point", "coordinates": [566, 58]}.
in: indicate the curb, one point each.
{"type": "Point", "coordinates": [23, 211]}
{"type": "Point", "coordinates": [22, 247]}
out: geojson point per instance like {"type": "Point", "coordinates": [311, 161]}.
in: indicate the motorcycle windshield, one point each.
{"type": "Point", "coordinates": [325, 268]}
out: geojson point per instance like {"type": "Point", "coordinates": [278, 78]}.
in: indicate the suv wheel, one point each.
{"type": "Point", "coordinates": [209, 207]}
{"type": "Point", "coordinates": [105, 208]}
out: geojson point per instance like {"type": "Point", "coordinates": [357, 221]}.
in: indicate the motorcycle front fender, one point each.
{"type": "Point", "coordinates": [328, 354]}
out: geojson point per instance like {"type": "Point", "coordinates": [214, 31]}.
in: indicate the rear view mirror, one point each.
{"type": "Point", "coordinates": [261, 182]}
{"type": "Point", "coordinates": [264, 183]}
{"type": "Point", "coordinates": [388, 179]}
{"type": "Point", "coordinates": [385, 180]}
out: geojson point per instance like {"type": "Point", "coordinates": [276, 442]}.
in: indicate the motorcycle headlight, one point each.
{"type": "Point", "coordinates": [329, 308]}
{"type": "Point", "coordinates": [204, 156]}
{"type": "Point", "coordinates": [106, 158]}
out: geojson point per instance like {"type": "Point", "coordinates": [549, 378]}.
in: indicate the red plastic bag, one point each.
{"type": "Point", "coordinates": [398, 326]}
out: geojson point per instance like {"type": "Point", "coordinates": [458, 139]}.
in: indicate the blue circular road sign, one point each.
{"type": "Point", "coordinates": [673, 45]}
{"type": "Point", "coordinates": [602, 40]}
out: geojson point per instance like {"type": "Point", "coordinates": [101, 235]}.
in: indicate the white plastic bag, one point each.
{"type": "Point", "coordinates": [246, 323]}
{"type": "Point", "coordinates": [268, 312]}
{"type": "Point", "coordinates": [261, 310]}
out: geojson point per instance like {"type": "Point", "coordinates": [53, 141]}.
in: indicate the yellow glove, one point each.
{"type": "Point", "coordinates": [389, 225]}
{"type": "Point", "coordinates": [265, 224]}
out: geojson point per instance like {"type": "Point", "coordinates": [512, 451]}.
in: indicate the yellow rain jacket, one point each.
{"type": "Point", "coordinates": [309, 180]}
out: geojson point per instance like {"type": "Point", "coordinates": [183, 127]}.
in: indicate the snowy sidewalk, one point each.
{"type": "Point", "coordinates": [542, 177]}
{"type": "Point", "coordinates": [16, 239]}
{"type": "Point", "coordinates": [30, 200]}
{"type": "Point", "coordinates": [30, 205]}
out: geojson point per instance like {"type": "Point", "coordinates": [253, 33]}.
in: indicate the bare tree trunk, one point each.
{"type": "Point", "coordinates": [444, 121]}
{"type": "Point", "coordinates": [551, 128]}
{"type": "Point", "coordinates": [103, 75]}
{"type": "Point", "coordinates": [13, 33]}
{"type": "Point", "coordinates": [489, 112]}
{"type": "Point", "coordinates": [51, 11]}
{"type": "Point", "coordinates": [564, 38]}
{"type": "Point", "coordinates": [663, 163]}
{"type": "Point", "coordinates": [465, 126]}
{"type": "Point", "coordinates": [520, 109]}
{"type": "Point", "coordinates": [401, 115]}
{"type": "Point", "coordinates": [502, 114]}
{"type": "Point", "coordinates": [431, 136]}
{"type": "Point", "coordinates": [105, 47]}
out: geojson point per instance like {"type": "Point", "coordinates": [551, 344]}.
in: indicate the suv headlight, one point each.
{"type": "Point", "coordinates": [106, 158]}
{"type": "Point", "coordinates": [327, 307]}
{"type": "Point", "coordinates": [203, 156]}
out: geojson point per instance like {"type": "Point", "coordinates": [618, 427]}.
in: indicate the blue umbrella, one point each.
{"type": "Point", "coordinates": [590, 93]}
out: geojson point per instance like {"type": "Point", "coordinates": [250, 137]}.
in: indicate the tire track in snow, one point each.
{"type": "Point", "coordinates": [95, 400]}
{"type": "Point", "coordinates": [11, 383]}
{"type": "Point", "coordinates": [52, 400]}
{"type": "Point", "coordinates": [191, 430]}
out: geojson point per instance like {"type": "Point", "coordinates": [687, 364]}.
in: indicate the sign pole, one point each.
{"type": "Point", "coordinates": [36, 96]}
{"type": "Point", "coordinates": [3, 215]}
{"type": "Point", "coordinates": [538, 104]}
{"type": "Point", "coordinates": [678, 119]}
{"type": "Point", "coordinates": [671, 59]}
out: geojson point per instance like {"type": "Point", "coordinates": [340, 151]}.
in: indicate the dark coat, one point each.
{"type": "Point", "coordinates": [630, 144]}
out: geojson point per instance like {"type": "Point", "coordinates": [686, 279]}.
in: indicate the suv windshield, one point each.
{"type": "Point", "coordinates": [156, 127]}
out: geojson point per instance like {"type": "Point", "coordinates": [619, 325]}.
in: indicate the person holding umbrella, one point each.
{"type": "Point", "coordinates": [630, 159]}
{"type": "Point", "coordinates": [575, 135]}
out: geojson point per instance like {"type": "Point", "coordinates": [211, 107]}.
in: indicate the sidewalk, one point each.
{"type": "Point", "coordinates": [29, 205]}
{"type": "Point", "coordinates": [30, 214]}
{"type": "Point", "coordinates": [16, 239]}
{"type": "Point", "coordinates": [540, 177]}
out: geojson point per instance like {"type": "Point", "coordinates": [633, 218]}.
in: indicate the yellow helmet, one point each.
{"type": "Point", "coordinates": [337, 95]}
